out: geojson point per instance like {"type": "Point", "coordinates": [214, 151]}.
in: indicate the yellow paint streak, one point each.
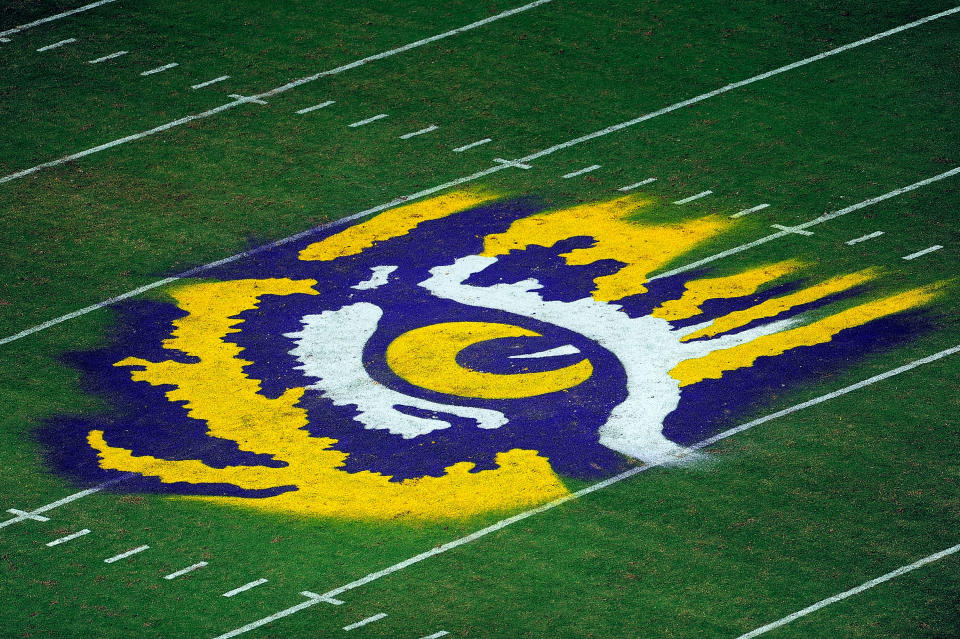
{"type": "Point", "coordinates": [699, 291]}
{"type": "Point", "coordinates": [216, 390]}
{"type": "Point", "coordinates": [392, 223]}
{"type": "Point", "coordinates": [427, 357]}
{"type": "Point", "coordinates": [641, 248]}
{"type": "Point", "coordinates": [713, 366]}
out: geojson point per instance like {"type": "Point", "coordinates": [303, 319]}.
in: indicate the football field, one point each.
{"type": "Point", "coordinates": [574, 318]}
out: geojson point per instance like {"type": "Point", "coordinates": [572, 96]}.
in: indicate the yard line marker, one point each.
{"type": "Point", "coordinates": [937, 556]}
{"type": "Point", "coordinates": [461, 149]}
{"type": "Point", "coordinates": [588, 169]}
{"type": "Point", "coordinates": [57, 45]}
{"type": "Point", "coordinates": [244, 588]}
{"type": "Point", "coordinates": [611, 129]}
{"type": "Point", "coordinates": [315, 107]}
{"type": "Point", "coordinates": [513, 163]}
{"type": "Point", "coordinates": [436, 635]}
{"type": "Point", "coordinates": [791, 229]}
{"type": "Point", "coordinates": [160, 69]}
{"type": "Point", "coordinates": [363, 622]}
{"type": "Point", "coordinates": [654, 463]}
{"type": "Point", "coordinates": [35, 23]}
{"type": "Point", "coordinates": [247, 98]}
{"type": "Point", "coordinates": [5, 40]}
{"type": "Point", "coordinates": [22, 516]}
{"type": "Point", "coordinates": [109, 56]}
{"type": "Point", "coordinates": [379, 116]}
{"type": "Point", "coordinates": [180, 573]}
{"type": "Point", "coordinates": [694, 197]}
{"type": "Point", "coordinates": [126, 554]}
{"type": "Point", "coordinates": [913, 256]}
{"type": "Point", "coordinates": [61, 540]}
{"type": "Point", "coordinates": [752, 209]}
{"type": "Point", "coordinates": [407, 136]}
{"type": "Point", "coordinates": [209, 82]}
{"type": "Point", "coordinates": [323, 598]}
{"type": "Point", "coordinates": [826, 217]}
{"type": "Point", "coordinates": [863, 238]}
{"type": "Point", "coordinates": [26, 515]}
{"type": "Point", "coordinates": [631, 187]}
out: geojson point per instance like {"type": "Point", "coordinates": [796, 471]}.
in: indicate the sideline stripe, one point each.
{"type": "Point", "coordinates": [937, 556]}
{"type": "Point", "coordinates": [752, 209]}
{"type": "Point", "coordinates": [826, 217]}
{"type": "Point", "coordinates": [35, 23]}
{"type": "Point", "coordinates": [109, 56]}
{"type": "Point", "coordinates": [588, 169]}
{"type": "Point", "coordinates": [244, 588]}
{"type": "Point", "coordinates": [407, 136]}
{"type": "Point", "coordinates": [363, 622]}
{"type": "Point", "coordinates": [379, 116]}
{"type": "Point", "coordinates": [706, 443]}
{"type": "Point", "coordinates": [160, 69]}
{"type": "Point", "coordinates": [180, 573]}
{"type": "Point", "coordinates": [631, 187]}
{"type": "Point", "coordinates": [57, 45]}
{"type": "Point", "coordinates": [863, 238]}
{"type": "Point", "coordinates": [461, 149]}
{"type": "Point", "coordinates": [694, 197]}
{"type": "Point", "coordinates": [913, 256]}
{"type": "Point", "coordinates": [61, 540]}
{"type": "Point", "coordinates": [126, 554]}
{"type": "Point", "coordinates": [315, 107]}
{"type": "Point", "coordinates": [209, 82]}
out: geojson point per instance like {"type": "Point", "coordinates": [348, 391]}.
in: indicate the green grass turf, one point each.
{"type": "Point", "coordinates": [777, 519]}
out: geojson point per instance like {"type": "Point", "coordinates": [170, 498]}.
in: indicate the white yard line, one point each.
{"type": "Point", "coordinates": [209, 82]}
{"type": "Point", "coordinates": [461, 149]}
{"type": "Point", "coordinates": [931, 249]}
{"type": "Point", "coordinates": [160, 69]}
{"type": "Point", "coordinates": [124, 555]}
{"type": "Point", "coordinates": [706, 443]}
{"type": "Point", "coordinates": [180, 573]}
{"type": "Point", "coordinates": [23, 516]}
{"type": "Point", "coordinates": [863, 238]}
{"type": "Point", "coordinates": [694, 197]}
{"type": "Point", "coordinates": [407, 136]}
{"type": "Point", "coordinates": [800, 228]}
{"type": "Point", "coordinates": [379, 116]}
{"type": "Point", "coordinates": [109, 56]}
{"type": "Point", "coordinates": [363, 622]}
{"type": "Point", "coordinates": [58, 16]}
{"type": "Point", "coordinates": [315, 107]}
{"type": "Point", "coordinates": [61, 540]}
{"type": "Point", "coordinates": [752, 209]}
{"type": "Point", "coordinates": [937, 556]}
{"type": "Point", "coordinates": [588, 169]}
{"type": "Point", "coordinates": [57, 45]}
{"type": "Point", "coordinates": [244, 588]}
{"type": "Point", "coordinates": [635, 185]}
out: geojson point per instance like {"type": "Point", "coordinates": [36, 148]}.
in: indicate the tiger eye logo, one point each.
{"type": "Point", "coordinates": [457, 356]}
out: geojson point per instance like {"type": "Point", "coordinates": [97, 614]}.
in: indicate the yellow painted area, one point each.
{"type": "Point", "coordinates": [713, 366]}
{"type": "Point", "coordinates": [641, 248]}
{"type": "Point", "coordinates": [699, 291]}
{"type": "Point", "coordinates": [392, 223]}
{"type": "Point", "coordinates": [773, 307]}
{"type": "Point", "coordinates": [216, 390]}
{"type": "Point", "coordinates": [427, 357]}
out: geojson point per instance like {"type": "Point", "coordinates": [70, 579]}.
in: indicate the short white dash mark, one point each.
{"type": "Point", "coordinates": [381, 275]}
{"type": "Point", "coordinates": [863, 238]}
{"type": "Point", "coordinates": [694, 197]}
{"type": "Point", "coordinates": [160, 69]}
{"type": "Point", "coordinates": [635, 185]}
{"type": "Point", "coordinates": [379, 116]}
{"type": "Point", "coordinates": [752, 209]}
{"type": "Point", "coordinates": [244, 588]}
{"type": "Point", "coordinates": [209, 82]}
{"type": "Point", "coordinates": [57, 45]}
{"type": "Point", "coordinates": [588, 169]}
{"type": "Point", "coordinates": [407, 136]}
{"type": "Point", "coordinates": [436, 635]}
{"type": "Point", "coordinates": [124, 555]}
{"type": "Point", "coordinates": [79, 533]}
{"type": "Point", "coordinates": [180, 573]}
{"type": "Point", "coordinates": [109, 56]}
{"type": "Point", "coordinates": [364, 622]}
{"type": "Point", "coordinates": [913, 256]}
{"type": "Point", "coordinates": [315, 107]}
{"type": "Point", "coordinates": [461, 149]}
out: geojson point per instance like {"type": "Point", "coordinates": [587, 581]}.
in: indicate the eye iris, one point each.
{"type": "Point", "coordinates": [427, 357]}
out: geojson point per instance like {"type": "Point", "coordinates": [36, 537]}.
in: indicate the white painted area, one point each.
{"type": "Point", "coordinates": [436, 635]}
{"type": "Point", "coordinates": [937, 556]}
{"type": "Point", "coordinates": [511, 163]}
{"type": "Point", "coordinates": [24, 514]}
{"type": "Point", "coordinates": [863, 238]}
{"type": "Point", "coordinates": [315, 107]}
{"type": "Point", "coordinates": [694, 197]}
{"type": "Point", "coordinates": [795, 230]}
{"type": "Point", "coordinates": [379, 116]}
{"type": "Point", "coordinates": [57, 45]}
{"type": "Point", "coordinates": [752, 209]}
{"type": "Point", "coordinates": [160, 69]}
{"type": "Point", "coordinates": [364, 622]}
{"type": "Point", "coordinates": [109, 56]}
{"type": "Point", "coordinates": [29, 25]}
{"type": "Point", "coordinates": [63, 540]}
{"type": "Point", "coordinates": [925, 251]}
{"type": "Point", "coordinates": [209, 82]}
{"type": "Point", "coordinates": [60, 502]}
{"type": "Point", "coordinates": [188, 569]}
{"type": "Point", "coordinates": [330, 349]}
{"type": "Point", "coordinates": [252, 99]}
{"type": "Point", "coordinates": [407, 136]}
{"type": "Point", "coordinates": [124, 555]}
{"type": "Point", "coordinates": [5, 40]}
{"type": "Point", "coordinates": [588, 169]}
{"type": "Point", "coordinates": [323, 598]}
{"type": "Point", "coordinates": [826, 217]}
{"type": "Point", "coordinates": [244, 588]}
{"type": "Point", "coordinates": [380, 276]}
{"type": "Point", "coordinates": [635, 185]}
{"type": "Point", "coordinates": [461, 149]}
{"type": "Point", "coordinates": [569, 349]}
